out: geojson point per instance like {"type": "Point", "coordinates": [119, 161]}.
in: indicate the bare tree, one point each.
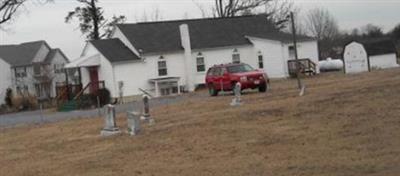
{"type": "Point", "coordinates": [9, 8]}
{"type": "Point", "coordinates": [371, 30]}
{"type": "Point", "coordinates": [276, 10]}
{"type": "Point", "coordinates": [154, 15]}
{"type": "Point", "coordinates": [321, 24]}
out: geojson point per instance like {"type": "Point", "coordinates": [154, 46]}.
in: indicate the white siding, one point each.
{"type": "Point", "coordinates": [58, 77]}
{"type": "Point", "coordinates": [309, 50]}
{"type": "Point", "coordinates": [137, 74]}
{"type": "Point", "coordinates": [383, 61]}
{"type": "Point", "coordinates": [355, 58]}
{"type": "Point", "coordinates": [222, 56]}
{"type": "Point", "coordinates": [5, 79]}
{"type": "Point", "coordinates": [41, 54]}
{"type": "Point", "coordinates": [275, 64]}
{"type": "Point", "coordinates": [105, 70]}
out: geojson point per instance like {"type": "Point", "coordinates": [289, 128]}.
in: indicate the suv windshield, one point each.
{"type": "Point", "coordinates": [240, 68]}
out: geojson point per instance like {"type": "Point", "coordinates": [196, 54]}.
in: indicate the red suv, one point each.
{"type": "Point", "coordinates": [225, 76]}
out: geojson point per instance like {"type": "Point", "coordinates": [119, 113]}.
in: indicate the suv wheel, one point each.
{"type": "Point", "coordinates": [262, 88]}
{"type": "Point", "coordinates": [212, 91]}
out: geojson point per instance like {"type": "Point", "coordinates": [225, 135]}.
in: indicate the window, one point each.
{"type": "Point", "coordinates": [201, 67]}
{"type": "Point", "coordinates": [58, 68]}
{"type": "Point", "coordinates": [20, 72]}
{"type": "Point", "coordinates": [260, 60]}
{"type": "Point", "coordinates": [37, 69]}
{"type": "Point", "coordinates": [162, 67]}
{"type": "Point", "coordinates": [291, 52]}
{"type": "Point", "coordinates": [22, 89]}
{"type": "Point", "coordinates": [242, 68]}
{"type": "Point", "coordinates": [235, 56]}
{"type": "Point", "coordinates": [38, 90]}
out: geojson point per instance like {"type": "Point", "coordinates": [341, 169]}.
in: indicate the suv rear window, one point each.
{"type": "Point", "coordinates": [240, 68]}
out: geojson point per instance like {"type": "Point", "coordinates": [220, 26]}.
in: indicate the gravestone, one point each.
{"type": "Point", "coordinates": [146, 110]}
{"type": "Point", "coordinates": [133, 123]}
{"type": "Point", "coordinates": [110, 127]}
{"type": "Point", "coordinates": [236, 101]}
{"type": "Point", "coordinates": [302, 90]}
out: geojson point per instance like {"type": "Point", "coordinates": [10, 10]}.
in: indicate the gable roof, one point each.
{"type": "Point", "coordinates": [24, 53]}
{"type": "Point", "coordinates": [52, 53]}
{"type": "Point", "coordinates": [378, 46]}
{"type": "Point", "coordinates": [114, 50]}
{"type": "Point", "coordinates": [204, 33]}
{"type": "Point", "coordinates": [18, 55]}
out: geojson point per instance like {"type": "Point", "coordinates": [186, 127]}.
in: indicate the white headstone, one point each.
{"type": "Point", "coordinates": [302, 91]}
{"type": "Point", "coordinates": [238, 91]}
{"type": "Point", "coordinates": [110, 127]}
{"type": "Point", "coordinates": [133, 123]}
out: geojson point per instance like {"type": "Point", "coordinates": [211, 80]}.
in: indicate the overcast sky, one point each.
{"type": "Point", "coordinates": [47, 22]}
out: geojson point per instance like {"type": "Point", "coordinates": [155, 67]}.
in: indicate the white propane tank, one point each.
{"type": "Point", "coordinates": [331, 64]}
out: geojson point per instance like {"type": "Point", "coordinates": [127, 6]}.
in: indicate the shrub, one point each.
{"type": "Point", "coordinates": [104, 96]}
{"type": "Point", "coordinates": [8, 98]}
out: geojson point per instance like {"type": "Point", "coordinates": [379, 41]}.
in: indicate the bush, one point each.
{"type": "Point", "coordinates": [104, 96]}
{"type": "Point", "coordinates": [8, 98]}
{"type": "Point", "coordinates": [86, 101]}
{"type": "Point", "coordinates": [25, 102]}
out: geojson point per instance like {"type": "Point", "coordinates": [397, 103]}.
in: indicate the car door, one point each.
{"type": "Point", "coordinates": [217, 78]}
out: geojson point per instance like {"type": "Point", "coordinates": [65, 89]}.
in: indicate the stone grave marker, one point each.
{"type": "Point", "coordinates": [133, 123]}
{"type": "Point", "coordinates": [146, 110]}
{"type": "Point", "coordinates": [110, 127]}
{"type": "Point", "coordinates": [236, 101]}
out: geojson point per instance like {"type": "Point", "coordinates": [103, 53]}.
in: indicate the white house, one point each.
{"type": "Point", "coordinates": [362, 56]}
{"type": "Point", "coordinates": [32, 67]}
{"type": "Point", "coordinates": [168, 56]}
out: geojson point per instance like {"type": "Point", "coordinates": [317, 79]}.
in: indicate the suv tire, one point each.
{"type": "Point", "coordinates": [262, 88]}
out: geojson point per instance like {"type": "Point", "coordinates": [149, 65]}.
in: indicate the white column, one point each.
{"type": "Point", "coordinates": [179, 90]}
{"type": "Point", "coordinates": [185, 41]}
{"type": "Point", "coordinates": [156, 87]}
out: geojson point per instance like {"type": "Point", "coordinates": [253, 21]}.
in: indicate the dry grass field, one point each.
{"type": "Point", "coordinates": [343, 126]}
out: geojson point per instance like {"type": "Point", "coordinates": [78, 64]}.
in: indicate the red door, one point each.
{"type": "Point", "coordinates": [94, 79]}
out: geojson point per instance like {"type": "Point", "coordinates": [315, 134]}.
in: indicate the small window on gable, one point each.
{"type": "Point", "coordinates": [58, 68]}
{"type": "Point", "coordinates": [260, 60]}
{"type": "Point", "coordinates": [236, 56]}
{"type": "Point", "coordinates": [20, 72]}
{"type": "Point", "coordinates": [162, 66]}
{"type": "Point", "coordinates": [201, 67]}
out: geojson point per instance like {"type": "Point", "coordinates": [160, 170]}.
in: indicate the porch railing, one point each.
{"type": "Point", "coordinates": [306, 66]}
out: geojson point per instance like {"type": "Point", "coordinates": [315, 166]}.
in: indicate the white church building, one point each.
{"type": "Point", "coordinates": [171, 56]}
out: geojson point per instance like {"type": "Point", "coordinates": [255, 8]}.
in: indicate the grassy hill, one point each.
{"type": "Point", "coordinates": [344, 125]}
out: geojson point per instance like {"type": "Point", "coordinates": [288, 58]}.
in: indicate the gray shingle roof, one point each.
{"type": "Point", "coordinates": [52, 53]}
{"type": "Point", "coordinates": [23, 54]}
{"type": "Point", "coordinates": [19, 55]}
{"type": "Point", "coordinates": [114, 50]}
{"type": "Point", "coordinates": [204, 33]}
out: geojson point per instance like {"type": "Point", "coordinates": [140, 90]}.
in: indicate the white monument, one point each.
{"type": "Point", "coordinates": [110, 127]}
{"type": "Point", "coordinates": [133, 123]}
{"type": "Point", "coordinates": [237, 90]}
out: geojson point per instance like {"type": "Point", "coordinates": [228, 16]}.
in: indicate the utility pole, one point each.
{"type": "Point", "coordinates": [295, 51]}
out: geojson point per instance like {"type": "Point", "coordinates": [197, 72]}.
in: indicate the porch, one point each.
{"type": "Point", "coordinates": [165, 86]}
